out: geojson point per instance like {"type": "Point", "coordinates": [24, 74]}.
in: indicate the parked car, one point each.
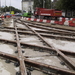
{"type": "Point", "coordinates": [7, 15]}
{"type": "Point", "coordinates": [27, 15]}
{"type": "Point", "coordinates": [18, 15]}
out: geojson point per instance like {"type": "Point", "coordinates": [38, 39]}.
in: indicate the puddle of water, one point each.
{"type": "Point", "coordinates": [7, 48]}
{"type": "Point", "coordinates": [63, 45]}
{"type": "Point", "coordinates": [5, 35]}
{"type": "Point", "coordinates": [7, 69]}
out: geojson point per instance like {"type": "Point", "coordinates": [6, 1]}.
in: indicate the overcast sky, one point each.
{"type": "Point", "coordinates": [15, 3]}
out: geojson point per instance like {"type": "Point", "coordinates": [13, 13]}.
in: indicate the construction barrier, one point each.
{"type": "Point", "coordinates": [2, 16]}
{"type": "Point", "coordinates": [62, 21]}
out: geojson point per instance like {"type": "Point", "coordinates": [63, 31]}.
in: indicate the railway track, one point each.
{"type": "Point", "coordinates": [29, 52]}
{"type": "Point", "coordinates": [48, 25]}
{"type": "Point", "coordinates": [53, 32]}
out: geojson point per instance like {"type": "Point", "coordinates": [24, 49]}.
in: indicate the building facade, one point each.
{"type": "Point", "coordinates": [27, 6]}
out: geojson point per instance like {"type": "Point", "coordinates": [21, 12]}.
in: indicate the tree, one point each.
{"type": "Point", "coordinates": [10, 8]}
{"type": "Point", "coordinates": [48, 4]}
{"type": "Point", "coordinates": [42, 3]}
{"type": "Point", "coordinates": [66, 5]}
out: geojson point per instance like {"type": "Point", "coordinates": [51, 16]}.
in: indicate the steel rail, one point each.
{"type": "Point", "coordinates": [10, 56]}
{"type": "Point", "coordinates": [47, 28]}
{"type": "Point", "coordinates": [45, 31]}
{"type": "Point", "coordinates": [61, 50]}
{"type": "Point", "coordinates": [37, 64]}
{"type": "Point", "coordinates": [22, 32]}
{"type": "Point", "coordinates": [57, 32]}
{"type": "Point", "coordinates": [48, 66]}
{"type": "Point", "coordinates": [57, 69]}
{"type": "Point", "coordinates": [48, 25]}
{"type": "Point", "coordinates": [69, 62]}
{"type": "Point", "coordinates": [20, 55]}
{"type": "Point", "coordinates": [58, 37]}
{"type": "Point", "coordinates": [48, 49]}
{"type": "Point", "coordinates": [52, 31]}
{"type": "Point", "coordinates": [40, 30]}
{"type": "Point", "coordinates": [42, 34]}
{"type": "Point", "coordinates": [4, 27]}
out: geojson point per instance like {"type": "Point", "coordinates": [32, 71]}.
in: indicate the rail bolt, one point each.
{"type": "Point", "coordinates": [35, 49]}
{"type": "Point", "coordinates": [30, 68]}
{"type": "Point", "coordinates": [15, 39]}
{"type": "Point", "coordinates": [7, 61]}
{"type": "Point", "coordinates": [15, 45]}
{"type": "Point", "coordinates": [28, 73]}
{"type": "Point", "coordinates": [62, 63]}
{"type": "Point", "coordinates": [23, 51]}
{"type": "Point", "coordinates": [16, 51]}
{"type": "Point", "coordinates": [23, 46]}
{"type": "Point", "coordinates": [16, 64]}
{"type": "Point", "coordinates": [41, 50]}
{"type": "Point", "coordinates": [18, 73]}
{"type": "Point", "coordinates": [44, 44]}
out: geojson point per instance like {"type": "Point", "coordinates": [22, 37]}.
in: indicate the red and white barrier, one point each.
{"type": "Point", "coordinates": [62, 21]}
{"type": "Point", "coordinates": [2, 16]}
{"type": "Point", "coordinates": [44, 21]}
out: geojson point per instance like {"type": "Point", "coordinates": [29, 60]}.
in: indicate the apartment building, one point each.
{"type": "Point", "coordinates": [27, 6]}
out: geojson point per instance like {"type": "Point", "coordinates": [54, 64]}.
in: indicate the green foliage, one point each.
{"type": "Point", "coordinates": [48, 4]}
{"type": "Point", "coordinates": [39, 3]}
{"type": "Point", "coordinates": [10, 8]}
{"type": "Point", "coordinates": [66, 4]}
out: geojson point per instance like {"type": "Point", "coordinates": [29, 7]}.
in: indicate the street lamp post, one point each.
{"type": "Point", "coordinates": [0, 6]}
{"type": "Point", "coordinates": [22, 6]}
{"type": "Point", "coordinates": [43, 3]}
{"type": "Point", "coordinates": [5, 6]}
{"type": "Point", "coordinates": [10, 6]}
{"type": "Point", "coordinates": [30, 6]}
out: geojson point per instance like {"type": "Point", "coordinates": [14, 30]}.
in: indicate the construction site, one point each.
{"type": "Point", "coordinates": [33, 48]}
{"type": "Point", "coordinates": [37, 40]}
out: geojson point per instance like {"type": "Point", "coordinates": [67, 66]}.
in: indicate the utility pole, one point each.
{"type": "Point", "coordinates": [30, 6]}
{"type": "Point", "coordinates": [0, 6]}
{"type": "Point", "coordinates": [43, 3]}
{"type": "Point", "coordinates": [22, 6]}
{"type": "Point", "coordinates": [5, 6]}
{"type": "Point", "coordinates": [10, 6]}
